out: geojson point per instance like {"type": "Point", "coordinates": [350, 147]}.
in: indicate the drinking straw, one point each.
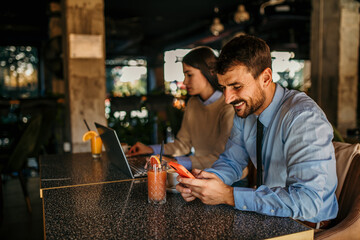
{"type": "Point", "coordinates": [161, 151]}
{"type": "Point", "coordinates": [86, 125]}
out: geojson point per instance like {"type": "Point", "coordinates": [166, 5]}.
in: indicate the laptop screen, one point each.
{"type": "Point", "coordinates": [113, 149]}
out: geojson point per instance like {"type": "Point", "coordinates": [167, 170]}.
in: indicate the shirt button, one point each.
{"type": "Point", "coordinates": [244, 207]}
{"type": "Point", "coordinates": [272, 210]}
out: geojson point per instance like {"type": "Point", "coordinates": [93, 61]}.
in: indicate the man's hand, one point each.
{"type": "Point", "coordinates": [207, 187]}
{"type": "Point", "coordinates": [139, 148]}
{"type": "Point", "coordinates": [184, 190]}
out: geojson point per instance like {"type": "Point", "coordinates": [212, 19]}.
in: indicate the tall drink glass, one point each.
{"type": "Point", "coordinates": [156, 175]}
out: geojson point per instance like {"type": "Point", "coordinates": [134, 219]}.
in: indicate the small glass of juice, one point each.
{"type": "Point", "coordinates": [96, 147]}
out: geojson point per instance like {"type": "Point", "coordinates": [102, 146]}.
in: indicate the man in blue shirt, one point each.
{"type": "Point", "coordinates": [298, 160]}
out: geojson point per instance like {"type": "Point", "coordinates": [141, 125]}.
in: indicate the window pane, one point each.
{"type": "Point", "coordinates": [126, 77]}
{"type": "Point", "coordinates": [289, 72]}
{"type": "Point", "coordinates": [173, 72]}
{"type": "Point", "coordinates": [18, 72]}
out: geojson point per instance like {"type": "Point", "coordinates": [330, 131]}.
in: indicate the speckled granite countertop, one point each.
{"type": "Point", "coordinates": [119, 210]}
{"type": "Point", "coordinates": [75, 169]}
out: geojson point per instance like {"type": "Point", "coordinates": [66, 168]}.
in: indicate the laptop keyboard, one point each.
{"type": "Point", "coordinates": [137, 164]}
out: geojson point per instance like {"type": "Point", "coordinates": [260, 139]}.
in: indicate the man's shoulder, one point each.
{"type": "Point", "coordinates": [295, 101]}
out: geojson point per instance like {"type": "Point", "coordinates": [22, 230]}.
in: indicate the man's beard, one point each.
{"type": "Point", "coordinates": [251, 106]}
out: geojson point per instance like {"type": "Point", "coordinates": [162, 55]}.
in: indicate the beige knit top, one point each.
{"type": "Point", "coordinates": [204, 127]}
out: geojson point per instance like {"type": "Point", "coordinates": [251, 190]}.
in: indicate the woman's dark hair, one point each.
{"type": "Point", "coordinates": [245, 50]}
{"type": "Point", "coordinates": [204, 59]}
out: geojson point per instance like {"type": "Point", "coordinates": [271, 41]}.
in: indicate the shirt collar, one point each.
{"type": "Point", "coordinates": [267, 115]}
{"type": "Point", "coordinates": [213, 98]}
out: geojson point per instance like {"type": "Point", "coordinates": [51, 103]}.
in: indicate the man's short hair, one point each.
{"type": "Point", "coordinates": [246, 50]}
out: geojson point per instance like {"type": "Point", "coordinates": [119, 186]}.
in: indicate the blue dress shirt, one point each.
{"type": "Point", "coordinates": [185, 160]}
{"type": "Point", "coordinates": [299, 167]}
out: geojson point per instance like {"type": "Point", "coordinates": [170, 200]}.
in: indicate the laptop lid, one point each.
{"type": "Point", "coordinates": [113, 149]}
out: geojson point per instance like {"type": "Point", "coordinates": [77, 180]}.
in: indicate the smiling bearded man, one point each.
{"type": "Point", "coordinates": [296, 153]}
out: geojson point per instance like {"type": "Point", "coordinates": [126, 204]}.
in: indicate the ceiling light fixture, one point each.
{"type": "Point", "coordinates": [269, 3]}
{"type": "Point", "coordinates": [241, 15]}
{"type": "Point", "coordinates": [216, 27]}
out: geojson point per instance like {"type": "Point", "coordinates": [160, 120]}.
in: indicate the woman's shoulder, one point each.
{"type": "Point", "coordinates": [192, 101]}
{"type": "Point", "coordinates": [221, 102]}
{"type": "Point", "coordinates": [193, 104]}
{"type": "Point", "coordinates": [222, 108]}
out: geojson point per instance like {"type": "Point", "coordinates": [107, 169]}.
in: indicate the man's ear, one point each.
{"type": "Point", "coordinates": [266, 77]}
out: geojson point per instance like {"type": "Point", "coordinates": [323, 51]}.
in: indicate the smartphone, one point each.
{"type": "Point", "coordinates": [181, 170]}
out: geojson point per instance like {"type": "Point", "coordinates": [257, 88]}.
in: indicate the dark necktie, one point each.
{"type": "Point", "coordinates": [259, 136]}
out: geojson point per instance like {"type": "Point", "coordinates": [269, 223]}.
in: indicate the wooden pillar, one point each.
{"type": "Point", "coordinates": [348, 62]}
{"type": "Point", "coordinates": [55, 81]}
{"type": "Point", "coordinates": [334, 60]}
{"type": "Point", "coordinates": [84, 67]}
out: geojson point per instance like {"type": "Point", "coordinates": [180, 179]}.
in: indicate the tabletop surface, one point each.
{"type": "Point", "coordinates": [119, 210]}
{"type": "Point", "coordinates": [76, 169]}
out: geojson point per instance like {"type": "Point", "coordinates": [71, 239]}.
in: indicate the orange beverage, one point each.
{"type": "Point", "coordinates": [156, 185]}
{"type": "Point", "coordinates": [96, 146]}
{"type": "Point", "coordinates": [96, 143]}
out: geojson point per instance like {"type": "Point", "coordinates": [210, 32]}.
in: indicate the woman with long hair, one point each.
{"type": "Point", "coordinates": [207, 120]}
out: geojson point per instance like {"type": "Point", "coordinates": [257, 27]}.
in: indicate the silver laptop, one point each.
{"type": "Point", "coordinates": [133, 167]}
